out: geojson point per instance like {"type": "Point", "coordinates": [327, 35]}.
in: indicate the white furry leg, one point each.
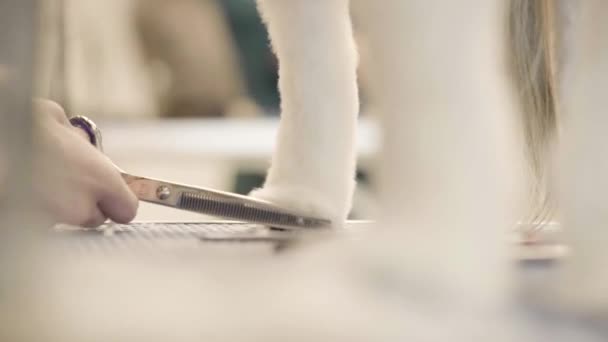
{"type": "Point", "coordinates": [449, 151]}
{"type": "Point", "coordinates": [584, 162]}
{"type": "Point", "coordinates": [313, 166]}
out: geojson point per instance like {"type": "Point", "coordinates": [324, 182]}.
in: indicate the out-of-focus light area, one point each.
{"type": "Point", "coordinates": [183, 90]}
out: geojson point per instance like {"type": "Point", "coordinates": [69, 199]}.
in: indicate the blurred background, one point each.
{"type": "Point", "coordinates": [183, 90]}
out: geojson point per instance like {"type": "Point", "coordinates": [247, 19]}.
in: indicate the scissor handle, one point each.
{"type": "Point", "coordinates": [90, 128]}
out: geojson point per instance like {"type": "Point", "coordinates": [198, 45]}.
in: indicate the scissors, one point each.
{"type": "Point", "coordinates": [203, 200]}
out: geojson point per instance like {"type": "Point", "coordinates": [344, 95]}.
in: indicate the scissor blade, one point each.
{"type": "Point", "coordinates": [219, 203]}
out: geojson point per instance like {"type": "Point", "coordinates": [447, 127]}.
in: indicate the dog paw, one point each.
{"type": "Point", "coordinates": [302, 200]}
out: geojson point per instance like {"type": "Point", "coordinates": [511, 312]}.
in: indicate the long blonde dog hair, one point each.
{"type": "Point", "coordinates": [532, 35]}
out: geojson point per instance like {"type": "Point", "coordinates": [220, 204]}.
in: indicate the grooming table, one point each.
{"type": "Point", "coordinates": [194, 236]}
{"type": "Point", "coordinates": [195, 274]}
{"type": "Point", "coordinates": [174, 237]}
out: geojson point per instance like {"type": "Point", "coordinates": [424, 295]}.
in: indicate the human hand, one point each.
{"type": "Point", "coordinates": [76, 183]}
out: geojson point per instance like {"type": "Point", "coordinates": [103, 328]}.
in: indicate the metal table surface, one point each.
{"type": "Point", "coordinates": [182, 236]}
{"type": "Point", "coordinates": [155, 278]}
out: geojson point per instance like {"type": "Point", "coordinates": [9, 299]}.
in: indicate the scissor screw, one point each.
{"type": "Point", "coordinates": [163, 192]}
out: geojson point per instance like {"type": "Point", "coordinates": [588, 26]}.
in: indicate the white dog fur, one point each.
{"type": "Point", "coordinates": [313, 167]}
{"type": "Point", "coordinates": [451, 166]}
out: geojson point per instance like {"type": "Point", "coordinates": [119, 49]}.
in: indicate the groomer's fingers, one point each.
{"type": "Point", "coordinates": [117, 201]}
{"type": "Point", "coordinates": [81, 133]}
{"type": "Point", "coordinates": [96, 218]}
{"type": "Point", "coordinates": [51, 109]}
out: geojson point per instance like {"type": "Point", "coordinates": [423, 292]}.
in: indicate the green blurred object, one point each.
{"type": "Point", "coordinates": [245, 182]}
{"type": "Point", "coordinates": [258, 63]}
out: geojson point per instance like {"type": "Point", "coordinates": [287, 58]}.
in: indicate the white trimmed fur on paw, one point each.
{"type": "Point", "coordinates": [300, 199]}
